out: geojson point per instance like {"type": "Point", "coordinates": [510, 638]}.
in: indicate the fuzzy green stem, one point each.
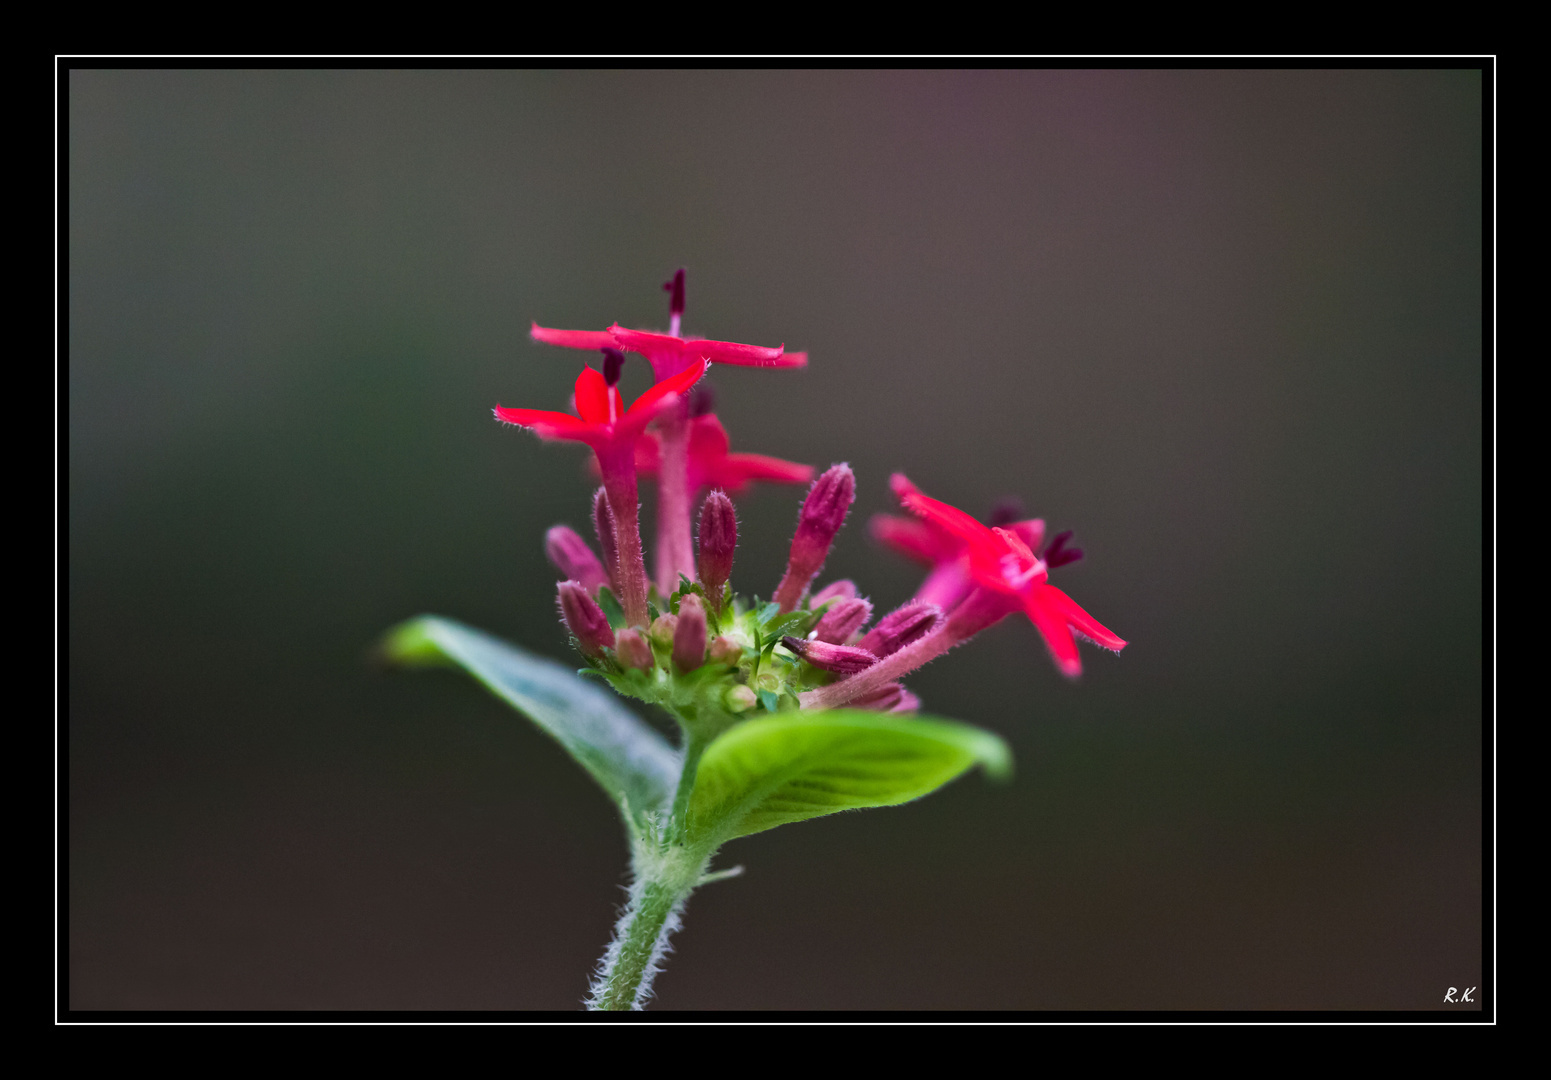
{"type": "Point", "coordinates": [694, 746]}
{"type": "Point", "coordinates": [664, 880]}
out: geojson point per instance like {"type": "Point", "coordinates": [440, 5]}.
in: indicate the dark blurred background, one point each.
{"type": "Point", "coordinates": [1225, 325]}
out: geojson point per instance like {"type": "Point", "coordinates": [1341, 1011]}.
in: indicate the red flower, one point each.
{"type": "Point", "coordinates": [1002, 564]}
{"type": "Point", "coordinates": [710, 464]}
{"type": "Point", "coordinates": [668, 354]}
{"type": "Point", "coordinates": [612, 430]}
{"type": "Point", "coordinates": [603, 421]}
{"type": "Point", "coordinates": [929, 544]}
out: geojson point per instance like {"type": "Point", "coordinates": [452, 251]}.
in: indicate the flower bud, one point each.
{"type": "Point", "coordinates": [908, 622]}
{"type": "Point", "coordinates": [661, 630]}
{"type": "Point", "coordinates": [689, 634]}
{"type": "Point", "coordinates": [585, 619]}
{"type": "Point", "coordinates": [633, 650]}
{"type": "Point", "coordinates": [841, 659]}
{"type": "Point", "coordinates": [890, 697]}
{"type": "Point", "coordinates": [575, 560]}
{"type": "Point", "coordinates": [739, 699]}
{"type": "Point", "coordinates": [844, 618]}
{"type": "Point", "coordinates": [823, 513]}
{"type": "Point", "coordinates": [718, 538]}
{"type": "Point", "coordinates": [844, 589]}
{"type": "Point", "coordinates": [724, 650]}
{"type": "Point", "coordinates": [603, 524]}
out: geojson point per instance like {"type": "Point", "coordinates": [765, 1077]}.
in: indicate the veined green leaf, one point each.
{"type": "Point", "coordinates": [770, 771]}
{"type": "Point", "coordinates": [630, 760]}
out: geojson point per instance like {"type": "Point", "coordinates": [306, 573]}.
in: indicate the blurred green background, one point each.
{"type": "Point", "coordinates": [1225, 325]}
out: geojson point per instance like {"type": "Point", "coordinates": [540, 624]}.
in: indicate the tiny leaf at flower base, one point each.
{"type": "Point", "coordinates": [610, 605]}
{"type": "Point", "coordinates": [780, 769]}
{"type": "Point", "coordinates": [632, 762]}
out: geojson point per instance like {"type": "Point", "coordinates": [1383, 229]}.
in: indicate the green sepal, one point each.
{"type": "Point", "coordinates": [611, 607]}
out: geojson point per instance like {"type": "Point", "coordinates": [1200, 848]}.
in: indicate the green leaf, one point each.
{"type": "Point", "coordinates": [770, 771]}
{"type": "Point", "coordinates": [630, 760]}
{"type": "Point", "coordinates": [796, 623]}
{"type": "Point", "coordinates": [611, 609]}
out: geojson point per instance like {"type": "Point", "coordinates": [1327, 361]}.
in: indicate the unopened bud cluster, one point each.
{"type": "Point", "coordinates": [700, 645]}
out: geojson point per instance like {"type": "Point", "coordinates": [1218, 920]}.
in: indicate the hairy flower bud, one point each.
{"type": "Point", "coordinates": [844, 589]}
{"type": "Point", "coordinates": [724, 650]}
{"type": "Point", "coordinates": [633, 650]}
{"type": "Point", "coordinates": [844, 618]}
{"type": "Point", "coordinates": [823, 513]}
{"type": "Point", "coordinates": [909, 622]}
{"type": "Point", "coordinates": [718, 538]}
{"type": "Point", "coordinates": [585, 619]}
{"type": "Point", "coordinates": [575, 560]}
{"type": "Point", "coordinates": [890, 697]}
{"type": "Point", "coordinates": [841, 659]}
{"type": "Point", "coordinates": [689, 635]}
{"type": "Point", "coordinates": [661, 630]}
{"type": "Point", "coordinates": [603, 524]}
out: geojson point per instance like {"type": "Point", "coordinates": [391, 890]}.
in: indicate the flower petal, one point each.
{"type": "Point", "coordinates": [914, 539]}
{"type": "Point", "coordinates": [1053, 628]}
{"type": "Point", "coordinates": [1032, 532]}
{"type": "Point", "coordinates": [573, 339]}
{"type": "Point", "coordinates": [738, 470]}
{"type": "Point", "coordinates": [708, 440]}
{"type": "Point", "coordinates": [648, 403]}
{"type": "Point", "coordinates": [995, 563]}
{"type": "Point", "coordinates": [653, 345]}
{"type": "Point", "coordinates": [592, 397]}
{"type": "Point", "coordinates": [1078, 619]}
{"type": "Point", "coordinates": [950, 518]}
{"type": "Point", "coordinates": [730, 352]}
{"type": "Point", "coordinates": [551, 425]}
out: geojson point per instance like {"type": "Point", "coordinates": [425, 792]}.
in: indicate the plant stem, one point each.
{"type": "Point", "coordinates": [694, 745]}
{"type": "Point", "coordinates": [664, 880]}
{"type": "Point", "coordinates": [666, 872]}
{"type": "Point", "coordinates": [675, 546]}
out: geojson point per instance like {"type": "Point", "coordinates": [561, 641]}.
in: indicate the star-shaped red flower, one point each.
{"type": "Point", "coordinates": [711, 465]}
{"type": "Point", "coordinates": [945, 553]}
{"type": "Point", "coordinates": [603, 422]}
{"type": "Point", "coordinates": [1002, 563]}
{"type": "Point", "coordinates": [669, 354]}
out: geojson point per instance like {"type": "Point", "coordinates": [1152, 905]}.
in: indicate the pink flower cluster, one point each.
{"type": "Point", "coordinates": [977, 573]}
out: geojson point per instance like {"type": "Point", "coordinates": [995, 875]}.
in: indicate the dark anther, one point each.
{"type": "Point", "coordinates": [702, 401]}
{"type": "Point", "coordinates": [676, 287]}
{"type": "Point", "coordinates": [1058, 554]}
{"type": "Point", "coordinates": [1006, 511]}
{"type": "Point", "coordinates": [613, 361]}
